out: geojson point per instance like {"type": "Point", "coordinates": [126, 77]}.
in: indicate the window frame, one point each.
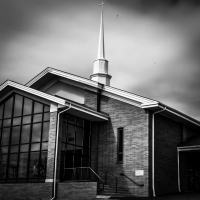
{"type": "Point", "coordinates": [29, 152]}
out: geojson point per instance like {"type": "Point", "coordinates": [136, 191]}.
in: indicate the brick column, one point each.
{"type": "Point", "coordinates": [51, 147]}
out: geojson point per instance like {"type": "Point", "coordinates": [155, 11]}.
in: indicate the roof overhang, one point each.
{"type": "Point", "coordinates": [7, 86]}
{"type": "Point", "coordinates": [85, 113]}
{"type": "Point", "coordinates": [173, 114]}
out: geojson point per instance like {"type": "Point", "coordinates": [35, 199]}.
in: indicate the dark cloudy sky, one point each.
{"type": "Point", "coordinates": [153, 46]}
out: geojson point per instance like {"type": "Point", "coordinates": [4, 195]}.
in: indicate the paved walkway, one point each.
{"type": "Point", "coordinates": [180, 196]}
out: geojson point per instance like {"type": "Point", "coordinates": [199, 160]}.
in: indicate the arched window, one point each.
{"type": "Point", "coordinates": [24, 132]}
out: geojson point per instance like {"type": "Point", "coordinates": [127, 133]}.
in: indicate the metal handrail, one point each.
{"type": "Point", "coordinates": [74, 169]}
{"type": "Point", "coordinates": [140, 185]}
{"type": "Point", "coordinates": [106, 175]}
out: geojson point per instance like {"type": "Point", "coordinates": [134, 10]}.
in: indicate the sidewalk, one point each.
{"type": "Point", "coordinates": [179, 196]}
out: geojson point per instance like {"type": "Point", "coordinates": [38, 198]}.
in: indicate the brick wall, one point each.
{"type": "Point", "coordinates": [28, 191]}
{"type": "Point", "coordinates": [135, 122]}
{"type": "Point", "coordinates": [51, 146]}
{"type": "Point", "coordinates": [168, 134]}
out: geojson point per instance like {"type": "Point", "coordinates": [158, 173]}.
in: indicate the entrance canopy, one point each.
{"type": "Point", "coordinates": [84, 112]}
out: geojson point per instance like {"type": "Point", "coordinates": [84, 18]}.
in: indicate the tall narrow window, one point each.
{"type": "Point", "coordinates": [120, 135]}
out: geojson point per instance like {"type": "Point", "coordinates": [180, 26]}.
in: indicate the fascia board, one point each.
{"type": "Point", "coordinates": [32, 91]}
{"type": "Point", "coordinates": [130, 96]}
{"type": "Point", "coordinates": [173, 111]}
{"type": "Point", "coordinates": [108, 91]}
{"type": "Point", "coordinates": [87, 110]}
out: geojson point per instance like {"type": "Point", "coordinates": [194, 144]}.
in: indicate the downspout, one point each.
{"type": "Point", "coordinates": [56, 153]}
{"type": "Point", "coordinates": [153, 142]}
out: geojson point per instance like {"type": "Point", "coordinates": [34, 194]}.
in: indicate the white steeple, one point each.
{"type": "Point", "coordinates": [100, 65]}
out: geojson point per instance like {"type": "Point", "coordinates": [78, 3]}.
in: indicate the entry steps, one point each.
{"type": "Point", "coordinates": [110, 191]}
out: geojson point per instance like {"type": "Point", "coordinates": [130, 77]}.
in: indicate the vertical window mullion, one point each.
{"type": "Point", "coordinates": [19, 140]}
{"type": "Point", "coordinates": [29, 151]}
{"type": "Point", "coordinates": [40, 152]}
{"type": "Point", "coordinates": [9, 144]}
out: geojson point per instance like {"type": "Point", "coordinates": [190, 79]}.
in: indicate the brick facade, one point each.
{"type": "Point", "coordinates": [135, 122]}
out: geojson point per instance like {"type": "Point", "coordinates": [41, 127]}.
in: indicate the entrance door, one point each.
{"type": "Point", "coordinates": [193, 171]}
{"type": "Point", "coordinates": [76, 148]}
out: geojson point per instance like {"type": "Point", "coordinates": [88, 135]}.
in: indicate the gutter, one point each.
{"type": "Point", "coordinates": [56, 153]}
{"type": "Point", "coordinates": [153, 149]}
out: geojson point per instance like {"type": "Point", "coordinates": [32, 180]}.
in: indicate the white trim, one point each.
{"type": "Point", "coordinates": [48, 180]}
{"type": "Point", "coordinates": [179, 185]}
{"type": "Point", "coordinates": [188, 147]}
{"type": "Point", "coordinates": [87, 110]}
{"type": "Point", "coordinates": [32, 91]}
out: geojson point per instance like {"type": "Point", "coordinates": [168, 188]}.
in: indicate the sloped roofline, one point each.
{"type": "Point", "coordinates": [108, 89]}
{"type": "Point", "coordinates": [32, 91]}
{"type": "Point", "coordinates": [140, 101]}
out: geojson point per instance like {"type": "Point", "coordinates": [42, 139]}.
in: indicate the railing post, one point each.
{"type": "Point", "coordinates": [106, 177]}
{"type": "Point", "coordinates": [116, 184]}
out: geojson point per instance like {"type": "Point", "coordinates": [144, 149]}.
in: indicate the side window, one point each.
{"type": "Point", "coordinates": [120, 137]}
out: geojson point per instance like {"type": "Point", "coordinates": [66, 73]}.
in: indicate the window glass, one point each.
{"type": "Point", "coordinates": [71, 134]}
{"type": "Point", "coordinates": [37, 118]}
{"type": "Point", "coordinates": [71, 119]}
{"type": "Point", "coordinates": [47, 109]}
{"type": "Point", "coordinates": [12, 166]}
{"type": "Point", "coordinates": [120, 145]}
{"type": "Point", "coordinates": [36, 133]}
{"type": "Point", "coordinates": [35, 147]}
{"type": "Point", "coordinates": [34, 165]}
{"type": "Point", "coordinates": [15, 135]}
{"type": "Point", "coordinates": [38, 107]}
{"type": "Point", "coordinates": [86, 138]}
{"type": "Point", "coordinates": [44, 145]}
{"type": "Point", "coordinates": [31, 147]}
{"type": "Point", "coordinates": [25, 135]}
{"type": "Point", "coordinates": [79, 136]}
{"type": "Point", "coordinates": [1, 111]}
{"type": "Point", "coordinates": [14, 149]}
{"type": "Point", "coordinates": [24, 148]}
{"type": "Point", "coordinates": [6, 122]}
{"type": "Point", "coordinates": [78, 150]}
{"type": "Point", "coordinates": [46, 117]}
{"type": "Point", "coordinates": [4, 150]}
{"type": "Point", "coordinates": [43, 164]}
{"type": "Point", "coordinates": [86, 152]}
{"type": "Point", "coordinates": [5, 136]}
{"type": "Point", "coordinates": [8, 108]}
{"type": "Point", "coordinates": [22, 170]}
{"type": "Point", "coordinates": [18, 105]}
{"type": "Point", "coordinates": [26, 120]}
{"type": "Point", "coordinates": [87, 125]}
{"type": "Point", "coordinates": [45, 134]}
{"type": "Point", "coordinates": [16, 121]}
{"type": "Point", "coordinates": [3, 161]}
{"type": "Point", "coordinates": [27, 106]}
{"type": "Point", "coordinates": [79, 122]}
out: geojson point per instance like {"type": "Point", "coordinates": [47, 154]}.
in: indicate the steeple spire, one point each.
{"type": "Point", "coordinates": [101, 50]}
{"type": "Point", "coordinates": [100, 65]}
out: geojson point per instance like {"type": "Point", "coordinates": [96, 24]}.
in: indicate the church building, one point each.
{"type": "Point", "coordinates": [63, 136]}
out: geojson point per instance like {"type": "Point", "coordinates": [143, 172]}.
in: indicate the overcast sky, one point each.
{"type": "Point", "coordinates": [153, 46]}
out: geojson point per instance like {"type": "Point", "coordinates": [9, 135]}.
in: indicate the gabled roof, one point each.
{"type": "Point", "coordinates": [49, 73]}
{"type": "Point", "coordinates": [75, 108]}
{"type": "Point", "coordinates": [146, 103]}
{"type": "Point", "coordinates": [7, 85]}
